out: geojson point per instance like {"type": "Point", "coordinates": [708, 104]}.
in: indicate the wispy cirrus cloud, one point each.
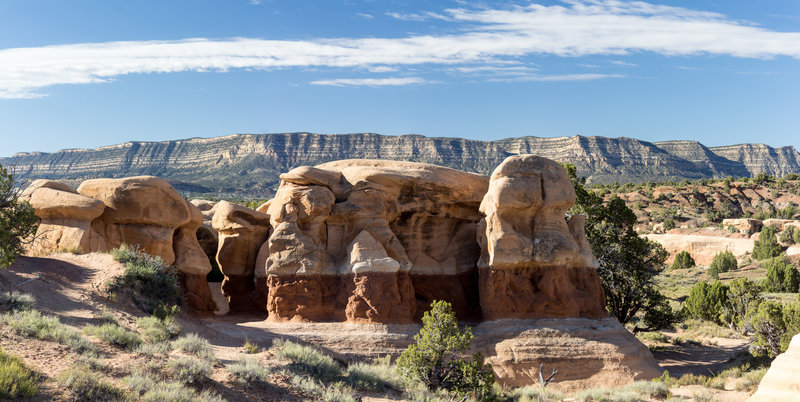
{"type": "Point", "coordinates": [476, 36]}
{"type": "Point", "coordinates": [370, 82]}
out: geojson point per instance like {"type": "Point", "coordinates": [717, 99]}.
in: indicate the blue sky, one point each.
{"type": "Point", "coordinates": [81, 74]}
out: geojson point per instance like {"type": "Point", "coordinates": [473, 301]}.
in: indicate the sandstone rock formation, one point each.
{"type": "Point", "coordinates": [745, 226]}
{"type": "Point", "coordinates": [206, 234]}
{"type": "Point", "coordinates": [533, 263]}
{"type": "Point", "coordinates": [104, 213]}
{"type": "Point", "coordinates": [782, 381]}
{"type": "Point", "coordinates": [66, 217]}
{"type": "Point", "coordinates": [777, 224]}
{"type": "Point", "coordinates": [702, 248]}
{"type": "Point", "coordinates": [372, 241]}
{"type": "Point", "coordinates": [588, 353]}
{"type": "Point", "coordinates": [242, 232]}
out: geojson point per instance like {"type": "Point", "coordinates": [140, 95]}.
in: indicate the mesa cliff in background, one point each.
{"type": "Point", "coordinates": [250, 164]}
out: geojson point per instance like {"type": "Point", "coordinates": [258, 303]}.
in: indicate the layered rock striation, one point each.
{"type": "Point", "coordinates": [251, 163]}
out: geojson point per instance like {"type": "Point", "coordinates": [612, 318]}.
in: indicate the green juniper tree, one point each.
{"type": "Point", "coordinates": [17, 220]}
{"type": "Point", "coordinates": [434, 357]}
{"type": "Point", "coordinates": [722, 262]}
{"type": "Point", "coordinates": [628, 262]}
{"type": "Point", "coordinates": [683, 260]}
{"type": "Point", "coordinates": [767, 245]}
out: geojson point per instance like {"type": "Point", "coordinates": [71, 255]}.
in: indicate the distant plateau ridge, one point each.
{"type": "Point", "coordinates": [249, 164]}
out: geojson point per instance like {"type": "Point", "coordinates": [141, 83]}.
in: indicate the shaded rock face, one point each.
{"type": "Point", "coordinates": [242, 231]}
{"type": "Point", "coordinates": [143, 211]}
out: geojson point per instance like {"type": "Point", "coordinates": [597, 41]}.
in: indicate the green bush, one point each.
{"type": "Point", "coordinates": [115, 335]}
{"type": "Point", "coordinates": [189, 370]}
{"type": "Point", "coordinates": [683, 260]}
{"type": "Point", "coordinates": [151, 284]}
{"type": "Point", "coordinates": [374, 376]}
{"type": "Point", "coordinates": [307, 359]}
{"type": "Point", "coordinates": [434, 360]}
{"type": "Point", "coordinates": [333, 392]}
{"type": "Point", "coordinates": [788, 235]}
{"type": "Point", "coordinates": [247, 370]}
{"type": "Point", "coordinates": [706, 301]}
{"type": "Point", "coordinates": [744, 296]}
{"type": "Point", "coordinates": [155, 329]}
{"type": "Point", "coordinates": [154, 348]}
{"type": "Point", "coordinates": [17, 220]}
{"type": "Point", "coordinates": [11, 301]}
{"type": "Point", "coordinates": [250, 348]}
{"type": "Point", "coordinates": [638, 391]}
{"type": "Point", "coordinates": [791, 320]}
{"type": "Point", "coordinates": [782, 276]}
{"type": "Point", "coordinates": [767, 245]}
{"type": "Point", "coordinates": [32, 324]}
{"type": "Point", "coordinates": [194, 344]}
{"type": "Point", "coordinates": [534, 393]}
{"type": "Point", "coordinates": [139, 382]}
{"type": "Point", "coordinates": [177, 392]}
{"type": "Point", "coordinates": [85, 385]}
{"type": "Point", "coordinates": [722, 262]}
{"type": "Point", "coordinates": [769, 327]}
{"type": "Point", "coordinates": [669, 224]}
{"type": "Point", "coordinates": [16, 380]}
{"type": "Point", "coordinates": [660, 314]}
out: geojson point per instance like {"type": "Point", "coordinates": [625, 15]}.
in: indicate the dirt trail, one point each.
{"type": "Point", "coordinates": [701, 358]}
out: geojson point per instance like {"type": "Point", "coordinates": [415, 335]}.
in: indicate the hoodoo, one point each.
{"type": "Point", "coordinates": [375, 242]}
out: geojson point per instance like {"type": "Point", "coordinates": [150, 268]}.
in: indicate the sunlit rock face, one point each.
{"type": "Point", "coordinates": [533, 262]}
{"type": "Point", "coordinates": [142, 211]}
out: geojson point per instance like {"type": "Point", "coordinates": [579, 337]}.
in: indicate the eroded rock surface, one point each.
{"type": "Point", "coordinates": [103, 214]}
{"type": "Point", "coordinates": [353, 238]}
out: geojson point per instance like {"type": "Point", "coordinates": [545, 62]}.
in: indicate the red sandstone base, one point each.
{"type": "Point", "coordinates": [541, 292]}
{"type": "Point", "coordinates": [374, 297]}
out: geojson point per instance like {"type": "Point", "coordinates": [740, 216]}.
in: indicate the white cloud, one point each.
{"type": "Point", "coordinates": [499, 70]}
{"type": "Point", "coordinates": [418, 17]}
{"type": "Point", "coordinates": [478, 37]}
{"type": "Point", "coordinates": [556, 77]}
{"type": "Point", "coordinates": [381, 69]}
{"type": "Point", "coordinates": [370, 82]}
{"type": "Point", "coordinates": [623, 63]}
{"type": "Point", "coordinates": [365, 15]}
{"type": "Point", "coordinates": [255, 2]}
